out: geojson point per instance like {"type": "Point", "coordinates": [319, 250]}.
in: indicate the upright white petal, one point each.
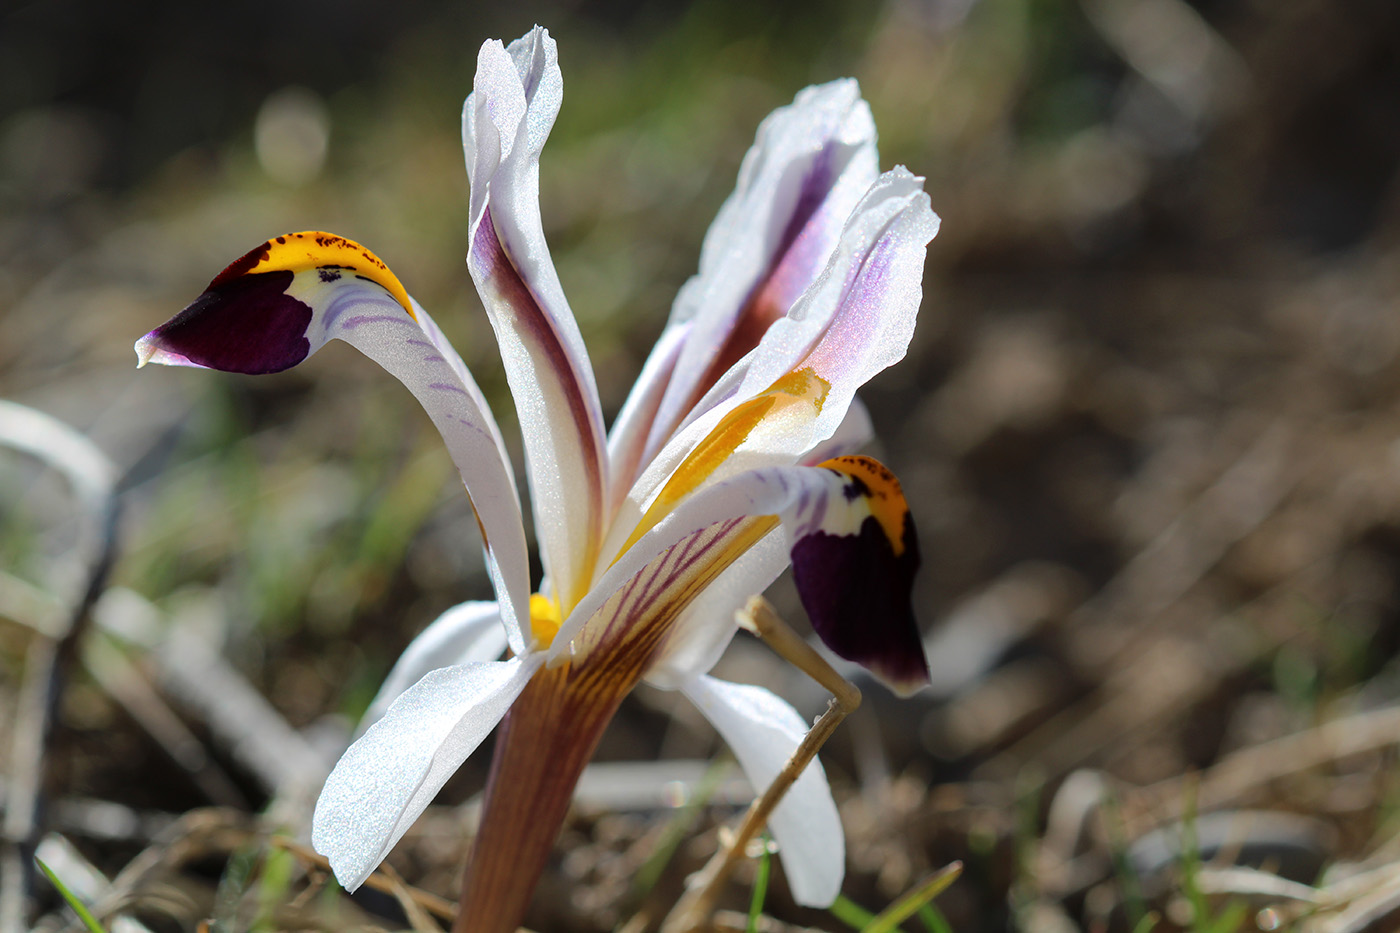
{"type": "Point", "coordinates": [504, 126]}
{"type": "Point", "coordinates": [386, 779]}
{"type": "Point", "coordinates": [764, 731]}
{"type": "Point", "coordinates": [856, 319]}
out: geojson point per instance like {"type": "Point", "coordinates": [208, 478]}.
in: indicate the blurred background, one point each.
{"type": "Point", "coordinates": [1148, 428]}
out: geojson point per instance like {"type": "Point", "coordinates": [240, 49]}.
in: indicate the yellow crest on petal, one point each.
{"type": "Point", "coordinates": [802, 386]}
{"type": "Point", "coordinates": [882, 493]}
{"type": "Point", "coordinates": [316, 249]}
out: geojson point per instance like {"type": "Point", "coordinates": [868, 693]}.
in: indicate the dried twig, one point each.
{"type": "Point", "coordinates": [92, 478]}
{"type": "Point", "coordinates": [696, 905]}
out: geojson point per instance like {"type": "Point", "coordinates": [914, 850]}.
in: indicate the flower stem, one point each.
{"type": "Point", "coordinates": [545, 742]}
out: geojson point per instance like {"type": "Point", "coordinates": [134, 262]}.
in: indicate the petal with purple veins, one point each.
{"type": "Point", "coordinates": [286, 299]}
{"type": "Point", "coordinates": [848, 527]}
{"type": "Point", "coordinates": [809, 166]}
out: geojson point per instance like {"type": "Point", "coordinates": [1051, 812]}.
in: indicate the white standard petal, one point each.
{"type": "Point", "coordinates": [764, 731]}
{"type": "Point", "coordinates": [506, 120]}
{"type": "Point", "coordinates": [855, 320]}
{"type": "Point", "coordinates": [467, 632]}
{"type": "Point", "coordinates": [386, 779]}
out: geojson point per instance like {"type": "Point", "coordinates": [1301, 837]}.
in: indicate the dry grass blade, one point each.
{"type": "Point", "coordinates": [385, 879]}
{"type": "Point", "coordinates": [1251, 768]}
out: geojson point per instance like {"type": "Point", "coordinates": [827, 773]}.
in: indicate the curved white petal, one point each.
{"type": "Point", "coordinates": [764, 731]}
{"type": "Point", "coordinates": [285, 300]}
{"type": "Point", "coordinates": [854, 432]}
{"type": "Point", "coordinates": [707, 625]}
{"type": "Point", "coordinates": [378, 328]}
{"type": "Point", "coordinates": [854, 550]}
{"type": "Point", "coordinates": [386, 779]}
{"type": "Point", "coordinates": [809, 166]}
{"type": "Point", "coordinates": [468, 632]}
{"type": "Point", "coordinates": [504, 126]}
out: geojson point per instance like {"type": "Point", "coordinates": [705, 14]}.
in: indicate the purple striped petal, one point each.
{"type": "Point", "coordinates": [854, 321]}
{"type": "Point", "coordinates": [809, 166]}
{"type": "Point", "coordinates": [849, 536]}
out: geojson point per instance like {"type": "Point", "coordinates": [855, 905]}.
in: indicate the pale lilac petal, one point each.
{"type": "Point", "coordinates": [809, 166]}
{"type": "Point", "coordinates": [387, 778]}
{"type": "Point", "coordinates": [627, 439]}
{"type": "Point", "coordinates": [468, 632]}
{"type": "Point", "coordinates": [708, 624]}
{"type": "Point", "coordinates": [505, 123]}
{"type": "Point", "coordinates": [855, 320]}
{"type": "Point", "coordinates": [764, 731]}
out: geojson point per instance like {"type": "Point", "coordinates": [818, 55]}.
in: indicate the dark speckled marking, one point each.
{"type": "Point", "coordinates": [240, 265]}
{"type": "Point", "coordinates": [859, 597]}
{"type": "Point", "coordinates": [329, 273]}
{"type": "Point", "coordinates": [854, 487]}
{"type": "Point", "coordinates": [244, 325]}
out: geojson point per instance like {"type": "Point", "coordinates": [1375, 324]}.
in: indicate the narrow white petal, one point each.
{"type": "Point", "coordinates": [466, 633]}
{"type": "Point", "coordinates": [764, 731]}
{"type": "Point", "coordinates": [506, 121]}
{"type": "Point", "coordinates": [628, 437]}
{"type": "Point", "coordinates": [386, 779]}
{"type": "Point", "coordinates": [856, 319]}
{"type": "Point", "coordinates": [854, 432]}
{"type": "Point", "coordinates": [378, 328]}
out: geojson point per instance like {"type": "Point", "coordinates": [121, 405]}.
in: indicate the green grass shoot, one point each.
{"type": "Point", "coordinates": [68, 896]}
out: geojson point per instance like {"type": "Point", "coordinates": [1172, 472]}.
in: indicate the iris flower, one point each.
{"type": "Point", "coordinates": [730, 459]}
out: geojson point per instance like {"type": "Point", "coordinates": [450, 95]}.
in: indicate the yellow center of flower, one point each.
{"type": "Point", "coordinates": [545, 619]}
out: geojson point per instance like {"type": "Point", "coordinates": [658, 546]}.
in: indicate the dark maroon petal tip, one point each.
{"type": "Point", "coordinates": [247, 324]}
{"type": "Point", "coordinates": [858, 593]}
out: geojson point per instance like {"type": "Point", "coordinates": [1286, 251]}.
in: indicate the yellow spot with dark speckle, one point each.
{"type": "Point", "coordinates": [883, 497]}
{"type": "Point", "coordinates": [313, 249]}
